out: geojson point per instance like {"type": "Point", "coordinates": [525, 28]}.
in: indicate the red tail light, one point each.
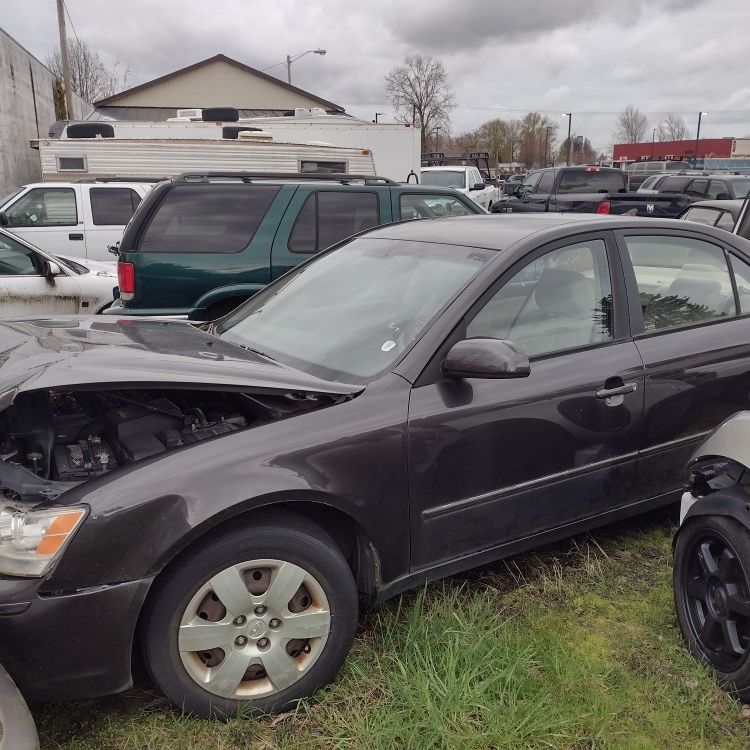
{"type": "Point", "coordinates": [126, 280]}
{"type": "Point", "coordinates": [602, 208]}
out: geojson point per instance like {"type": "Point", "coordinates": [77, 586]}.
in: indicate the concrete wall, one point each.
{"type": "Point", "coordinates": [26, 111]}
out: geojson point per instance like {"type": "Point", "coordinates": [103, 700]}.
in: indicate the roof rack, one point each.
{"type": "Point", "coordinates": [344, 179]}
{"type": "Point", "coordinates": [479, 159]}
{"type": "Point", "coordinates": [121, 179]}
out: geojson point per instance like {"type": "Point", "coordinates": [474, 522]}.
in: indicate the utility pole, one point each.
{"type": "Point", "coordinates": [65, 59]}
{"type": "Point", "coordinates": [653, 138]}
{"type": "Point", "coordinates": [546, 147]}
{"type": "Point", "coordinates": [569, 115]}
{"type": "Point", "coordinates": [697, 139]}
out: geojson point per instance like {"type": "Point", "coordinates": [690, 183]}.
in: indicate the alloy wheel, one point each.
{"type": "Point", "coordinates": [254, 629]}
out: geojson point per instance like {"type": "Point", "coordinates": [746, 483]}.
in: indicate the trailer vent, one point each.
{"type": "Point", "coordinates": [232, 131]}
{"type": "Point", "coordinates": [90, 130]}
{"type": "Point", "coordinates": [71, 164]}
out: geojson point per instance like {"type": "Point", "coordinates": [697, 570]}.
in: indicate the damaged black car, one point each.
{"type": "Point", "coordinates": [220, 501]}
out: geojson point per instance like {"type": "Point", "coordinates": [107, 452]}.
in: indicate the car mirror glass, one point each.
{"type": "Point", "coordinates": [486, 358]}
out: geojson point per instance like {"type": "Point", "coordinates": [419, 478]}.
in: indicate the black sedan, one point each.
{"type": "Point", "coordinates": [422, 399]}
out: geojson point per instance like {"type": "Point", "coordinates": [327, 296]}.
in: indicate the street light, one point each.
{"type": "Point", "coordinates": [653, 138]}
{"type": "Point", "coordinates": [290, 60]}
{"type": "Point", "coordinates": [569, 115]}
{"type": "Point", "coordinates": [697, 139]}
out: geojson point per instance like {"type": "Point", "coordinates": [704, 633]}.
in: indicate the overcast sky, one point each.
{"type": "Point", "coordinates": [503, 57]}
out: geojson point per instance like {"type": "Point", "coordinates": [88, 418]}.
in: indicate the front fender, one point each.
{"type": "Point", "coordinates": [730, 440]}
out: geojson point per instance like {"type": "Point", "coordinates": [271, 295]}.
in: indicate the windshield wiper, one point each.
{"type": "Point", "coordinates": [255, 351]}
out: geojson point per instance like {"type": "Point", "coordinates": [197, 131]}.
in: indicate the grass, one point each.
{"type": "Point", "coordinates": [573, 647]}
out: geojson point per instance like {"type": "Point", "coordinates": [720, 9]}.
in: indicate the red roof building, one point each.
{"type": "Point", "coordinates": [717, 148]}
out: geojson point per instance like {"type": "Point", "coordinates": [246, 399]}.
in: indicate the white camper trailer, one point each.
{"type": "Point", "coordinates": [395, 146]}
{"type": "Point", "coordinates": [86, 158]}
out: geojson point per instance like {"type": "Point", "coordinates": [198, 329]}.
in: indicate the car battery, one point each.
{"type": "Point", "coordinates": [85, 459]}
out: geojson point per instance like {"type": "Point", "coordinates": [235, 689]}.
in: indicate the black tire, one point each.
{"type": "Point", "coordinates": [279, 536]}
{"type": "Point", "coordinates": [711, 580]}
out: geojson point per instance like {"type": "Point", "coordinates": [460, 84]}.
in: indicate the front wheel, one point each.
{"type": "Point", "coordinates": [711, 579]}
{"type": "Point", "coordinates": [257, 619]}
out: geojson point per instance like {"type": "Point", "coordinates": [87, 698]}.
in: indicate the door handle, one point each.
{"type": "Point", "coordinates": [75, 236]}
{"type": "Point", "coordinates": [620, 390]}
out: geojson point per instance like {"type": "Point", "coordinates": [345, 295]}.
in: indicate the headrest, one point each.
{"type": "Point", "coordinates": [565, 293]}
{"type": "Point", "coordinates": [700, 291]}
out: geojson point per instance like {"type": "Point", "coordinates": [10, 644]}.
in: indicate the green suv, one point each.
{"type": "Point", "coordinates": [201, 244]}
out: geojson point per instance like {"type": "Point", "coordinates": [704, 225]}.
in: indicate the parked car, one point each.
{"type": "Point", "coordinates": [33, 282]}
{"type": "Point", "coordinates": [200, 245]}
{"type": "Point", "coordinates": [424, 398]}
{"type": "Point", "coordinates": [81, 219]}
{"type": "Point", "coordinates": [722, 214]}
{"type": "Point", "coordinates": [712, 555]}
{"type": "Point", "coordinates": [467, 180]}
{"type": "Point", "coordinates": [598, 190]}
{"type": "Point", "coordinates": [710, 187]}
{"type": "Point", "coordinates": [637, 172]}
{"type": "Point", "coordinates": [651, 184]}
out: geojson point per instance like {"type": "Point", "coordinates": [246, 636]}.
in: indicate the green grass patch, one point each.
{"type": "Point", "coordinates": [573, 647]}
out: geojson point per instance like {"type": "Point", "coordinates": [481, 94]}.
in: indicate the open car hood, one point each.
{"type": "Point", "coordinates": [81, 351]}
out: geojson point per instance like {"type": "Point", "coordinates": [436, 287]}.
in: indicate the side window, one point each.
{"type": "Point", "coordinates": [339, 215]}
{"type": "Point", "coordinates": [697, 188]}
{"type": "Point", "coordinates": [425, 206]}
{"type": "Point", "coordinates": [531, 182]}
{"type": "Point", "coordinates": [113, 205]}
{"type": "Point", "coordinates": [546, 182]}
{"type": "Point", "coordinates": [726, 221]}
{"type": "Point", "coordinates": [716, 188]}
{"type": "Point", "coordinates": [561, 300]}
{"type": "Point", "coordinates": [673, 185]}
{"type": "Point", "coordinates": [213, 218]}
{"type": "Point", "coordinates": [742, 278]}
{"type": "Point", "coordinates": [16, 260]}
{"type": "Point", "coordinates": [681, 281]}
{"type": "Point", "coordinates": [44, 207]}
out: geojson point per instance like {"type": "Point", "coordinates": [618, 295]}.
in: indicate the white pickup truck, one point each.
{"type": "Point", "coordinates": [80, 219]}
{"type": "Point", "coordinates": [466, 179]}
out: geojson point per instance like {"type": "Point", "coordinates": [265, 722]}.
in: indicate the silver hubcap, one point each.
{"type": "Point", "coordinates": [254, 629]}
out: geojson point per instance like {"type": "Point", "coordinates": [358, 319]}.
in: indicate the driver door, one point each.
{"type": "Point", "coordinates": [496, 462]}
{"type": "Point", "coordinates": [24, 288]}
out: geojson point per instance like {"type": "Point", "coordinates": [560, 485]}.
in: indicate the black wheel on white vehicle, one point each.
{"type": "Point", "coordinates": [711, 580]}
{"type": "Point", "coordinates": [256, 619]}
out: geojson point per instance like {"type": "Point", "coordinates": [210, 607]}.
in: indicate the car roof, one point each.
{"type": "Point", "coordinates": [501, 231]}
{"type": "Point", "coordinates": [734, 206]}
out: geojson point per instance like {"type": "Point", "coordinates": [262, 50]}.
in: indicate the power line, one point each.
{"type": "Point", "coordinates": [67, 13]}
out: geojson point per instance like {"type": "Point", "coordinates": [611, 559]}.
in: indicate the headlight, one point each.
{"type": "Point", "coordinates": [32, 540]}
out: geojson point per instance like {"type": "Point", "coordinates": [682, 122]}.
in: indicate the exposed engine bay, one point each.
{"type": "Point", "coordinates": [50, 441]}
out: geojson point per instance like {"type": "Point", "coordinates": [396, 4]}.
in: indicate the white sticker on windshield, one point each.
{"type": "Point", "coordinates": [388, 346]}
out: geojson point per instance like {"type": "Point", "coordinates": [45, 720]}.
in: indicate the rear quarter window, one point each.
{"type": "Point", "coordinates": [211, 218]}
{"type": "Point", "coordinates": [580, 181]}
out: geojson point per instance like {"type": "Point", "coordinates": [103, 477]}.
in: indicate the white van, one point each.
{"type": "Point", "coordinates": [81, 219]}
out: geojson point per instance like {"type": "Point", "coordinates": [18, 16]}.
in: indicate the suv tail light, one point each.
{"type": "Point", "coordinates": [126, 280]}
{"type": "Point", "coordinates": [602, 208]}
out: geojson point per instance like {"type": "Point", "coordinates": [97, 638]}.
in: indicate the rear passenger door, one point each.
{"type": "Point", "coordinates": [106, 211]}
{"type": "Point", "coordinates": [317, 218]}
{"type": "Point", "coordinates": [694, 342]}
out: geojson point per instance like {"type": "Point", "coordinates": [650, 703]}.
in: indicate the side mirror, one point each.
{"type": "Point", "coordinates": [3, 219]}
{"type": "Point", "coordinates": [51, 269]}
{"type": "Point", "coordinates": [486, 358]}
{"type": "Point", "coordinates": [477, 186]}
{"type": "Point", "coordinates": [509, 188]}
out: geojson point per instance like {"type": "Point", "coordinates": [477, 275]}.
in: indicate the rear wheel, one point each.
{"type": "Point", "coordinates": [712, 594]}
{"type": "Point", "coordinates": [258, 618]}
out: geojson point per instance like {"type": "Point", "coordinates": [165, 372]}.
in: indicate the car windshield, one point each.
{"type": "Point", "coordinates": [740, 188]}
{"type": "Point", "coordinates": [349, 314]}
{"type": "Point", "coordinates": [72, 265]}
{"type": "Point", "coordinates": [451, 178]}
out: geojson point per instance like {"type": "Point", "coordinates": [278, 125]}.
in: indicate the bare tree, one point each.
{"type": "Point", "coordinates": [631, 125]}
{"type": "Point", "coordinates": [419, 91]}
{"type": "Point", "coordinates": [673, 128]}
{"type": "Point", "coordinates": [90, 77]}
